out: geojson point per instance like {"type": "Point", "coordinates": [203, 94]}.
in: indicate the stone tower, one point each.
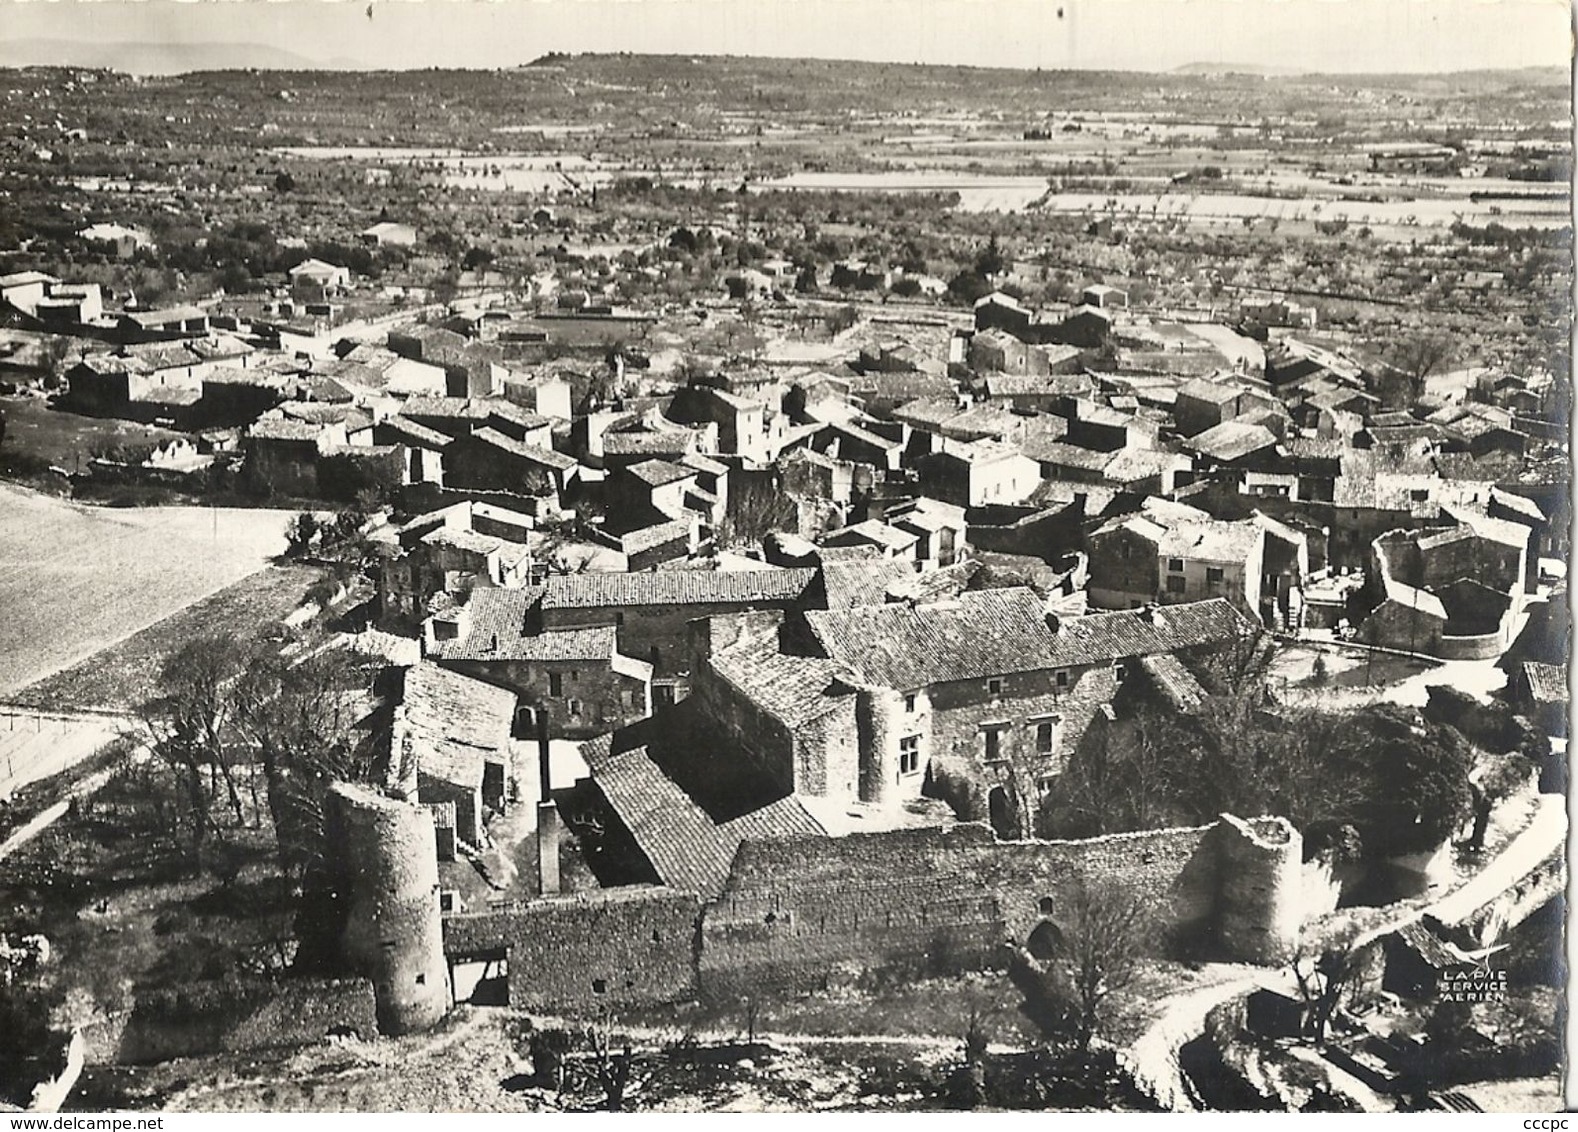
{"type": "Point", "coordinates": [1259, 911]}
{"type": "Point", "coordinates": [387, 858]}
{"type": "Point", "coordinates": [877, 716]}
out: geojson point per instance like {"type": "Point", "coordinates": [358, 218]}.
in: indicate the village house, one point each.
{"type": "Point", "coordinates": [449, 750]}
{"type": "Point", "coordinates": [313, 280]}
{"type": "Point", "coordinates": [572, 683]}
{"type": "Point", "coordinates": [982, 695]}
{"type": "Point", "coordinates": [1454, 592]}
{"type": "Point", "coordinates": [1171, 553]}
{"type": "Point", "coordinates": [388, 234]}
{"type": "Point", "coordinates": [119, 240]}
{"type": "Point", "coordinates": [998, 311]}
{"type": "Point", "coordinates": [979, 473]}
{"type": "Point", "coordinates": [749, 430]}
{"type": "Point", "coordinates": [453, 550]}
{"type": "Point", "coordinates": [172, 322]}
{"type": "Point", "coordinates": [492, 460]}
{"type": "Point", "coordinates": [1051, 393]}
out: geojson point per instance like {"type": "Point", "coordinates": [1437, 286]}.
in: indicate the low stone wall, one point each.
{"type": "Point", "coordinates": [233, 1016]}
{"type": "Point", "coordinates": [1483, 646]}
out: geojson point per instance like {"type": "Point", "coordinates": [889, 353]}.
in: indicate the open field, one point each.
{"type": "Point", "coordinates": [121, 676]}
{"type": "Point", "coordinates": [75, 579]}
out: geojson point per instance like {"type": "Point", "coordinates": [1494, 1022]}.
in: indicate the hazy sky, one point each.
{"type": "Point", "coordinates": [1323, 35]}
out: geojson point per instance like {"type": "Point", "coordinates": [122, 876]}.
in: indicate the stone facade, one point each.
{"type": "Point", "coordinates": [577, 698]}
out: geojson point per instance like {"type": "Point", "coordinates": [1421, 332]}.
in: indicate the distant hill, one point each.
{"type": "Point", "coordinates": [1231, 69]}
{"type": "Point", "coordinates": [155, 58]}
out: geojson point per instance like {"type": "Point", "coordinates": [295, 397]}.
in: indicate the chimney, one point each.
{"type": "Point", "coordinates": [544, 776]}
{"type": "Point", "coordinates": [548, 824]}
{"type": "Point", "coordinates": [547, 848]}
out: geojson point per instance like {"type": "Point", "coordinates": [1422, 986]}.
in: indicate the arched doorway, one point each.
{"type": "Point", "coordinates": [1046, 942]}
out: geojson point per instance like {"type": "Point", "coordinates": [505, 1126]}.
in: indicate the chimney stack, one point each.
{"type": "Point", "coordinates": [548, 881]}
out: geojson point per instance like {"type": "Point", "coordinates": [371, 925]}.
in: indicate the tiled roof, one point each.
{"type": "Point", "coordinates": [657, 473]}
{"type": "Point", "coordinates": [1059, 454]}
{"type": "Point", "coordinates": [1140, 463]}
{"type": "Point", "coordinates": [1547, 682]}
{"type": "Point", "coordinates": [445, 407]}
{"type": "Point", "coordinates": [1173, 680]}
{"type": "Point", "coordinates": [658, 534]}
{"type": "Point", "coordinates": [863, 581]}
{"type": "Point", "coordinates": [1114, 635]}
{"type": "Point", "coordinates": [686, 848]}
{"type": "Point", "coordinates": [1211, 541]}
{"type": "Point", "coordinates": [496, 630]}
{"type": "Point", "coordinates": [1211, 390]}
{"type": "Point", "coordinates": [274, 428]}
{"type": "Point", "coordinates": [648, 443]}
{"type": "Point", "coordinates": [855, 432]}
{"type": "Point", "coordinates": [455, 722]}
{"type": "Point", "coordinates": [1009, 384]}
{"type": "Point", "coordinates": [1231, 440]}
{"type": "Point", "coordinates": [903, 646]}
{"type": "Point", "coordinates": [415, 434]}
{"type": "Point", "coordinates": [704, 464]}
{"type": "Point", "coordinates": [546, 457]}
{"type": "Point", "coordinates": [675, 587]}
{"type": "Point", "coordinates": [792, 689]}
{"type": "Point", "coordinates": [872, 531]}
{"type": "Point", "coordinates": [992, 632]}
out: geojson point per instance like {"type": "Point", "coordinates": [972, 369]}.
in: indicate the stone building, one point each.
{"type": "Point", "coordinates": [867, 705]}
{"type": "Point", "coordinates": [449, 747]}
{"type": "Point", "coordinates": [574, 681]}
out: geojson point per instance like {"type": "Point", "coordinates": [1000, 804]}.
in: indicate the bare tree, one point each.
{"type": "Point", "coordinates": [1323, 975]}
{"type": "Point", "coordinates": [1105, 934]}
{"type": "Point", "coordinates": [1415, 356]}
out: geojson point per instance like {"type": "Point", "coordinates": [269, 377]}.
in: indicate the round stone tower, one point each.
{"type": "Point", "coordinates": [388, 872]}
{"type": "Point", "coordinates": [877, 712]}
{"type": "Point", "coordinates": [1259, 900]}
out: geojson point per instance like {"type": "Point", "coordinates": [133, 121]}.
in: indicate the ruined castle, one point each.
{"type": "Point", "coordinates": [796, 912]}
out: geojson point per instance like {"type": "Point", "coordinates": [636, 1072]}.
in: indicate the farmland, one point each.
{"type": "Point", "coordinates": [74, 579]}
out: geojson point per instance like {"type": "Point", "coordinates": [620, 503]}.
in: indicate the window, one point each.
{"type": "Point", "coordinates": [575, 709]}
{"type": "Point", "coordinates": [1176, 583]}
{"type": "Point", "coordinates": [1213, 575]}
{"type": "Point", "coordinates": [909, 754]}
{"type": "Point", "coordinates": [994, 686]}
{"type": "Point", "coordinates": [1046, 734]}
{"type": "Point", "coordinates": [619, 619]}
{"type": "Point", "coordinates": [1121, 671]}
{"type": "Point", "coordinates": [574, 676]}
{"type": "Point", "coordinates": [993, 738]}
{"type": "Point", "coordinates": [909, 703]}
{"type": "Point", "coordinates": [555, 684]}
{"type": "Point", "coordinates": [1175, 565]}
{"type": "Point", "coordinates": [1060, 677]}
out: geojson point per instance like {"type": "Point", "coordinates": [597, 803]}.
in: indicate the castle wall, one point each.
{"type": "Point", "coordinates": [615, 946]}
{"type": "Point", "coordinates": [796, 912]}
{"type": "Point", "coordinates": [807, 912]}
{"type": "Point", "coordinates": [388, 859]}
